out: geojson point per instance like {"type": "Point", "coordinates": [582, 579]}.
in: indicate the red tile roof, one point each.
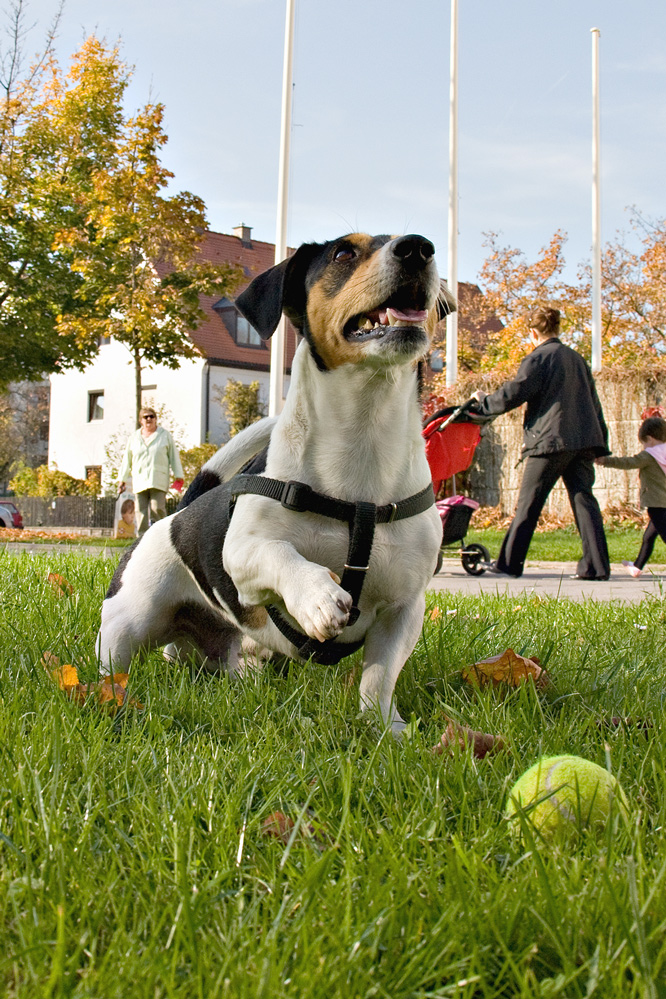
{"type": "Point", "coordinates": [212, 336]}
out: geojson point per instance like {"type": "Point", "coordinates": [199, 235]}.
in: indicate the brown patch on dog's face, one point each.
{"type": "Point", "coordinates": [372, 298]}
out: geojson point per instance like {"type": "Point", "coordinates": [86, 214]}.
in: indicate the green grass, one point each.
{"type": "Point", "coordinates": [133, 862]}
{"type": "Point", "coordinates": [563, 544]}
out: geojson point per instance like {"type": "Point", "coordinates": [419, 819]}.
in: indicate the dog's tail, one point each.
{"type": "Point", "coordinates": [230, 459]}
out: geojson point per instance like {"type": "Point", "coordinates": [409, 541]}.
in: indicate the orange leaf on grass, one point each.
{"type": "Point", "coordinates": [110, 692]}
{"type": "Point", "coordinates": [61, 586]}
{"type": "Point", "coordinates": [507, 668]}
{"type": "Point", "coordinates": [462, 736]}
{"type": "Point", "coordinates": [278, 825]}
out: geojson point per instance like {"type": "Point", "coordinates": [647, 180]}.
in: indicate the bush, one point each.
{"type": "Point", "coordinates": [241, 405]}
{"type": "Point", "coordinates": [47, 483]}
{"type": "Point", "coordinates": [192, 458]}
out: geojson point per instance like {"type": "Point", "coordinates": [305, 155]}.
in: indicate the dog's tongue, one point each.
{"type": "Point", "coordinates": [407, 315]}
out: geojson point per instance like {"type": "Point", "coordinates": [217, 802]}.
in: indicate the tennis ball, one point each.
{"type": "Point", "coordinates": [562, 795]}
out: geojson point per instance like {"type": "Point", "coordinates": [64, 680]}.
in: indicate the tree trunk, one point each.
{"type": "Point", "coordinates": [137, 385]}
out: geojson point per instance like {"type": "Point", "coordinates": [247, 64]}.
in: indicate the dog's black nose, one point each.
{"type": "Point", "coordinates": [413, 251]}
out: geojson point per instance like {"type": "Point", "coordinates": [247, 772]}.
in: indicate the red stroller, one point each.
{"type": "Point", "coordinates": [451, 437]}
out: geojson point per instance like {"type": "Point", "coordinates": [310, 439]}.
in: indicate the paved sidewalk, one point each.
{"type": "Point", "coordinates": [548, 578]}
{"type": "Point", "coordinates": [553, 579]}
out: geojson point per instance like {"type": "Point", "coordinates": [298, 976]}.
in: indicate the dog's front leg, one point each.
{"type": "Point", "coordinates": [274, 570]}
{"type": "Point", "coordinates": [388, 644]}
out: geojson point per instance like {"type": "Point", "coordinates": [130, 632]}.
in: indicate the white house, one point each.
{"type": "Point", "coordinates": [92, 411]}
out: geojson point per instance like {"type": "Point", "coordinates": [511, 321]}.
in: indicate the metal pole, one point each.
{"type": "Point", "coordinates": [452, 278]}
{"type": "Point", "coordinates": [276, 377]}
{"type": "Point", "coordinates": [596, 207]}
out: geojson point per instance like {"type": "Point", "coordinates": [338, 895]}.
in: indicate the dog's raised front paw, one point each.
{"type": "Point", "coordinates": [320, 606]}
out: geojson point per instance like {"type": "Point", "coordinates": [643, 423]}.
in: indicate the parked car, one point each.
{"type": "Point", "coordinates": [10, 515]}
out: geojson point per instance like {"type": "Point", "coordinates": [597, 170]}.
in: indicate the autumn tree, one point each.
{"type": "Point", "coordinates": [138, 250]}
{"type": "Point", "coordinates": [56, 132]}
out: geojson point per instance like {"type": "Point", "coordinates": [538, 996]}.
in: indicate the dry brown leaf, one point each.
{"type": "Point", "coordinates": [462, 736]}
{"type": "Point", "coordinates": [281, 826]}
{"type": "Point", "coordinates": [278, 825]}
{"type": "Point", "coordinates": [49, 660]}
{"type": "Point", "coordinates": [61, 586]}
{"type": "Point", "coordinates": [435, 613]}
{"type": "Point", "coordinates": [507, 668]}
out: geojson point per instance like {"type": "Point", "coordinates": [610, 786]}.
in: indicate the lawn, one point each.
{"type": "Point", "coordinates": [561, 545]}
{"type": "Point", "coordinates": [142, 855]}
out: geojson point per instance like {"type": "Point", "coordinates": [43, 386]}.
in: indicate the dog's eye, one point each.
{"type": "Point", "coordinates": [344, 253]}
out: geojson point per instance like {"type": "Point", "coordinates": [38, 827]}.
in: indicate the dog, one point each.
{"type": "Point", "coordinates": [327, 541]}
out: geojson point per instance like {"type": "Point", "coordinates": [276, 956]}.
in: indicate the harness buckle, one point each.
{"type": "Point", "coordinates": [294, 495]}
{"type": "Point", "coordinates": [394, 510]}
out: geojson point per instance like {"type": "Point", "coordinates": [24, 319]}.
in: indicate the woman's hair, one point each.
{"type": "Point", "coordinates": [546, 322]}
{"type": "Point", "coordinates": [654, 426]}
{"type": "Point", "coordinates": [127, 505]}
{"type": "Point", "coordinates": [146, 411]}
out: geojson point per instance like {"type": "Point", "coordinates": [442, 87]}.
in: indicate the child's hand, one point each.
{"type": "Point", "coordinates": [600, 461]}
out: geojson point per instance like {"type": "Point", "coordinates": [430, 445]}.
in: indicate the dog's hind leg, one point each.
{"type": "Point", "coordinates": [389, 643]}
{"type": "Point", "coordinates": [205, 637]}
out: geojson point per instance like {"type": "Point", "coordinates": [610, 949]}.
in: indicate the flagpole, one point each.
{"type": "Point", "coordinates": [452, 277]}
{"type": "Point", "coordinates": [276, 375]}
{"type": "Point", "coordinates": [596, 206]}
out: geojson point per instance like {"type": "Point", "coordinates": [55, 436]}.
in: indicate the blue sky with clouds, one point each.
{"type": "Point", "coordinates": [370, 112]}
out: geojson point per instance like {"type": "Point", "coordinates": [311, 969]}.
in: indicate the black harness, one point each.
{"type": "Point", "coordinates": [361, 518]}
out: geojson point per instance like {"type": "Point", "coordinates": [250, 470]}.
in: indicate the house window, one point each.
{"type": "Point", "coordinates": [95, 406]}
{"type": "Point", "coordinates": [246, 335]}
{"type": "Point", "coordinates": [148, 395]}
{"type": "Point", "coordinates": [239, 328]}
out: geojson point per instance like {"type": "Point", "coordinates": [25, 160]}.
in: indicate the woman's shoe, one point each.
{"type": "Point", "coordinates": [632, 569]}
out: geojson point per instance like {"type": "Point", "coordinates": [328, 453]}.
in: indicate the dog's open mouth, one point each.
{"type": "Point", "coordinates": [375, 324]}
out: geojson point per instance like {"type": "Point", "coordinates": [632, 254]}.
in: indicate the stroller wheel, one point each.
{"type": "Point", "coordinates": [472, 558]}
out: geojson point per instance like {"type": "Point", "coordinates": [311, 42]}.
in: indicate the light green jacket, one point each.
{"type": "Point", "coordinates": [148, 462]}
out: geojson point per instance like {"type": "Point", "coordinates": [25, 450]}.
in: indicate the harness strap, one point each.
{"type": "Point", "coordinates": [361, 537]}
{"type": "Point", "coordinates": [361, 518]}
{"type": "Point", "coordinates": [300, 497]}
{"type": "Point", "coordinates": [326, 653]}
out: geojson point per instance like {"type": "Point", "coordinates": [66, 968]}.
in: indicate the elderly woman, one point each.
{"type": "Point", "coordinates": [149, 455]}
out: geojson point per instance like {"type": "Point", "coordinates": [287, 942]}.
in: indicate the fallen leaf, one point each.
{"type": "Point", "coordinates": [281, 826]}
{"type": "Point", "coordinates": [507, 668]}
{"type": "Point", "coordinates": [61, 586]}
{"type": "Point", "coordinates": [278, 825]}
{"type": "Point", "coordinates": [481, 743]}
{"type": "Point", "coordinates": [110, 692]}
{"type": "Point", "coordinates": [50, 660]}
{"type": "Point", "coordinates": [435, 613]}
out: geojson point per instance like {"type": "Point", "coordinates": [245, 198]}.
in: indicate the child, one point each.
{"type": "Point", "coordinates": [651, 465]}
{"type": "Point", "coordinates": [126, 526]}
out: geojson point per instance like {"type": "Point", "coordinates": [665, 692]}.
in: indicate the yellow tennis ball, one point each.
{"type": "Point", "coordinates": [562, 795]}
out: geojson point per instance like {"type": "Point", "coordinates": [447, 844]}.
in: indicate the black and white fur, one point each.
{"type": "Point", "coordinates": [350, 428]}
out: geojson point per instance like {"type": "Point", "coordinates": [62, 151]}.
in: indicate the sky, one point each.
{"type": "Point", "coordinates": [370, 143]}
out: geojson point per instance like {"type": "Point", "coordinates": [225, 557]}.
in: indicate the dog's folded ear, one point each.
{"type": "Point", "coordinates": [446, 303]}
{"type": "Point", "coordinates": [279, 289]}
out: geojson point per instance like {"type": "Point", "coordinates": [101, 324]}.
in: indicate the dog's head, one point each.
{"type": "Point", "coordinates": [357, 298]}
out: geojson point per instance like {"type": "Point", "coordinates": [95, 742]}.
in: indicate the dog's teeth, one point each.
{"type": "Point", "coordinates": [366, 324]}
